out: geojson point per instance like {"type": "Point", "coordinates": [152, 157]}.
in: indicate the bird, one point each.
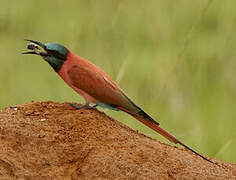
{"type": "Point", "coordinates": [95, 86]}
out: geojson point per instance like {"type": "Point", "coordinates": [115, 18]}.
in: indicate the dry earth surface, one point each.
{"type": "Point", "coordinates": [48, 140]}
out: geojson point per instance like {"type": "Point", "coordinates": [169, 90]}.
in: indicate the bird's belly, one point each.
{"type": "Point", "coordinates": [62, 73]}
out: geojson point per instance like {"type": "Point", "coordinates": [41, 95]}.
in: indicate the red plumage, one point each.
{"type": "Point", "coordinates": [96, 86]}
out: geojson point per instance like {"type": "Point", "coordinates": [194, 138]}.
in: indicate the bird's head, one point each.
{"type": "Point", "coordinates": [55, 54]}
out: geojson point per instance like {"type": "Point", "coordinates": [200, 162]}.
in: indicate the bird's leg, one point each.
{"type": "Point", "coordinates": [79, 107]}
{"type": "Point", "coordinates": [85, 105]}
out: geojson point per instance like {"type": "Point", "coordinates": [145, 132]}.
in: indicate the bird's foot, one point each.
{"type": "Point", "coordinates": [85, 105]}
{"type": "Point", "coordinates": [94, 106]}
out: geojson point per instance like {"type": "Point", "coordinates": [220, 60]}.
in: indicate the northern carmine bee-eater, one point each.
{"type": "Point", "coordinates": [94, 85]}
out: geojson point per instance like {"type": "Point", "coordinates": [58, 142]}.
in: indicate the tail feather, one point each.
{"type": "Point", "coordinates": [156, 127]}
{"type": "Point", "coordinates": [146, 116]}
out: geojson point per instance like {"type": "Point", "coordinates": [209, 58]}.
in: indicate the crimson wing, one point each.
{"type": "Point", "coordinates": [100, 86]}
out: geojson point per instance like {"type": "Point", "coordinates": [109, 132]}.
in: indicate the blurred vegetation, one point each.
{"type": "Point", "coordinates": [175, 59]}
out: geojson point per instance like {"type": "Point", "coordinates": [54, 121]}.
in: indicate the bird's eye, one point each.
{"type": "Point", "coordinates": [52, 52]}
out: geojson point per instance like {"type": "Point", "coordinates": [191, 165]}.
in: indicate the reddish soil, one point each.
{"type": "Point", "coordinates": [47, 140]}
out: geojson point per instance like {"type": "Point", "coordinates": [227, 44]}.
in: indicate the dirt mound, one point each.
{"type": "Point", "coordinates": [47, 140]}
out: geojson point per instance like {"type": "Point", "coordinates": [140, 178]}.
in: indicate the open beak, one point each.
{"type": "Point", "coordinates": [37, 48]}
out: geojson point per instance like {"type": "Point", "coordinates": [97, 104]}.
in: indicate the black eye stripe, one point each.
{"type": "Point", "coordinates": [56, 54]}
{"type": "Point", "coordinates": [51, 51]}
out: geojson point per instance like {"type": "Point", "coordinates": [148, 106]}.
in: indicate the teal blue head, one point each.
{"type": "Point", "coordinates": [55, 54]}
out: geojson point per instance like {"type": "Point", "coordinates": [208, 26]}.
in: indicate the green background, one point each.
{"type": "Point", "coordinates": [175, 59]}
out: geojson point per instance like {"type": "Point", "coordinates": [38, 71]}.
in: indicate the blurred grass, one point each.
{"type": "Point", "coordinates": [138, 42]}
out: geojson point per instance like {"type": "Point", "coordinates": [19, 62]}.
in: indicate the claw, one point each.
{"type": "Point", "coordinates": [85, 105]}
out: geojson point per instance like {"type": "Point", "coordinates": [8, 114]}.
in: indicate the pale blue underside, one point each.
{"type": "Point", "coordinates": [103, 105]}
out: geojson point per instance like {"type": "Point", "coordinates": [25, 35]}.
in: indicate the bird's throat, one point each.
{"type": "Point", "coordinates": [55, 63]}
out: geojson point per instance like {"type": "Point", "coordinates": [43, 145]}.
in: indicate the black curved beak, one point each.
{"type": "Point", "coordinates": [35, 46]}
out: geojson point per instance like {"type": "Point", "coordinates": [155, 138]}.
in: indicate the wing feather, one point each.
{"type": "Point", "coordinates": [100, 86]}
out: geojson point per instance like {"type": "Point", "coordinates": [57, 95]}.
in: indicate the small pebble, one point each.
{"type": "Point", "coordinates": [42, 119]}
